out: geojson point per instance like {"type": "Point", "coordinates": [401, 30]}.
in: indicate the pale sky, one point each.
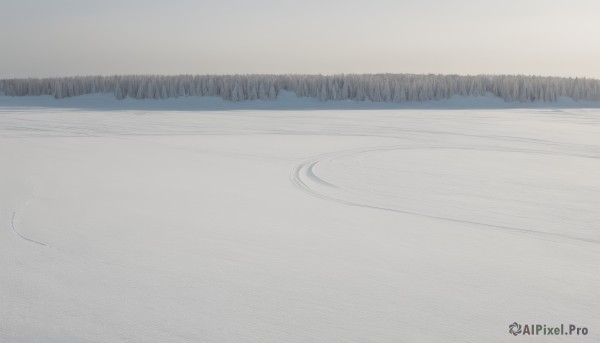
{"type": "Point", "coordinates": [83, 37]}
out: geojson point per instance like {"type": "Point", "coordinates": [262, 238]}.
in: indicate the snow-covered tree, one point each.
{"type": "Point", "coordinates": [368, 87]}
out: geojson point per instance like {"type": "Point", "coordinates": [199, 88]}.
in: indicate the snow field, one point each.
{"type": "Point", "coordinates": [297, 226]}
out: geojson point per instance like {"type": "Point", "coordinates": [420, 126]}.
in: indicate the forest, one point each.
{"type": "Point", "coordinates": [356, 87]}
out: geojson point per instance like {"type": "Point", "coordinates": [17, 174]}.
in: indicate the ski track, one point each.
{"type": "Point", "coordinates": [306, 171]}
{"type": "Point", "coordinates": [12, 223]}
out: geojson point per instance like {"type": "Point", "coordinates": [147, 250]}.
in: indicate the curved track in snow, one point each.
{"type": "Point", "coordinates": [12, 223]}
{"type": "Point", "coordinates": [306, 178]}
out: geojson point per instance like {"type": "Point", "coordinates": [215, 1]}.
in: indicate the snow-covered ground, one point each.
{"type": "Point", "coordinates": [127, 224]}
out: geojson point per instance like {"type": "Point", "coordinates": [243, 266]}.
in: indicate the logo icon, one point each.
{"type": "Point", "coordinates": [514, 328]}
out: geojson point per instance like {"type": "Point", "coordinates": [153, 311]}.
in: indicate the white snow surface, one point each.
{"type": "Point", "coordinates": [264, 225]}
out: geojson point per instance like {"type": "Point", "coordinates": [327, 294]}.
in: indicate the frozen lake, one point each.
{"type": "Point", "coordinates": [390, 225]}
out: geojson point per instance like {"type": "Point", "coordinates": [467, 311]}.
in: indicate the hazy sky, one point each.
{"type": "Point", "coordinates": [75, 37]}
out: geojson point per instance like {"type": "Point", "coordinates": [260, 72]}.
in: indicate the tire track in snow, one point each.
{"type": "Point", "coordinates": [305, 172]}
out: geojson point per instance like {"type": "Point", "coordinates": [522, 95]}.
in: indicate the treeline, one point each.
{"type": "Point", "coordinates": [368, 87]}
